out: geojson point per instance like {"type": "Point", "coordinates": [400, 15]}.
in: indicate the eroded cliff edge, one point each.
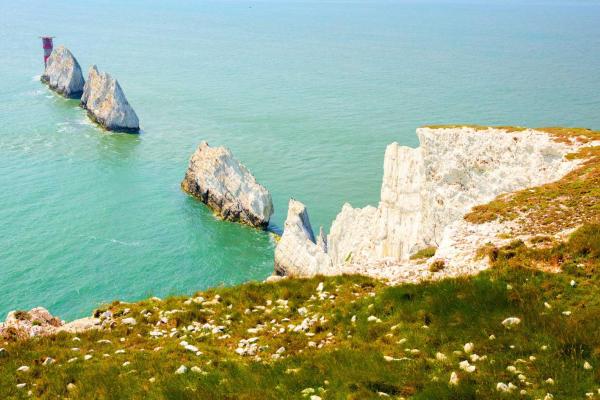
{"type": "Point", "coordinates": [425, 194]}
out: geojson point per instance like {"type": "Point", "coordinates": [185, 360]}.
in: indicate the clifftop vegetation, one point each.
{"type": "Point", "coordinates": [557, 206]}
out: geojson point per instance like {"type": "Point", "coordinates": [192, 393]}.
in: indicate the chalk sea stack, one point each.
{"type": "Point", "coordinates": [298, 253]}
{"type": "Point", "coordinates": [227, 186]}
{"type": "Point", "coordinates": [63, 73]}
{"type": "Point", "coordinates": [106, 103]}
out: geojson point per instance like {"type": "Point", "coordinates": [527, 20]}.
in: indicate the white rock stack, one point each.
{"type": "Point", "coordinates": [106, 103]}
{"type": "Point", "coordinates": [63, 73]}
{"type": "Point", "coordinates": [424, 195]}
{"type": "Point", "coordinates": [227, 186]}
{"type": "Point", "coordinates": [298, 253]}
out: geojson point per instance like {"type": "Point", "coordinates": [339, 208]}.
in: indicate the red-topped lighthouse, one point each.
{"type": "Point", "coordinates": [47, 45]}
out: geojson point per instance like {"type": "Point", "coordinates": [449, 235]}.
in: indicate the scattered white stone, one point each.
{"type": "Point", "coordinates": [129, 321]}
{"type": "Point", "coordinates": [23, 368]}
{"type": "Point", "coordinates": [87, 357]}
{"type": "Point", "coordinates": [181, 370]}
{"type": "Point", "coordinates": [492, 337]}
{"type": "Point", "coordinates": [465, 366]}
{"type": "Point", "coordinates": [550, 381]}
{"type": "Point", "coordinates": [71, 386]}
{"type": "Point", "coordinates": [191, 348]}
{"type": "Point", "coordinates": [587, 365]}
{"type": "Point", "coordinates": [320, 287]}
{"type": "Point", "coordinates": [440, 356]}
{"type": "Point", "coordinates": [547, 305]}
{"type": "Point", "coordinates": [307, 391]}
{"type": "Point", "coordinates": [21, 385]}
{"type": "Point", "coordinates": [48, 361]}
{"type": "Point", "coordinates": [502, 387]}
{"type": "Point", "coordinates": [567, 313]}
{"type": "Point", "coordinates": [468, 347]}
{"type": "Point", "coordinates": [453, 379]}
{"type": "Point", "coordinates": [511, 322]}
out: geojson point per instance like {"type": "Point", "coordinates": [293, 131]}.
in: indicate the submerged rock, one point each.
{"type": "Point", "coordinates": [63, 73]}
{"type": "Point", "coordinates": [297, 252]}
{"type": "Point", "coordinates": [219, 180]}
{"type": "Point", "coordinates": [106, 103]}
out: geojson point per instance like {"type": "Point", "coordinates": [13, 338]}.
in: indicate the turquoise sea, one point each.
{"type": "Point", "coordinates": [306, 93]}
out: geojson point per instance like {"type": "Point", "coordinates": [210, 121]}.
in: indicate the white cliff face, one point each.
{"type": "Point", "coordinates": [106, 103]}
{"type": "Point", "coordinates": [63, 73]}
{"type": "Point", "coordinates": [426, 192]}
{"type": "Point", "coordinates": [220, 181]}
{"type": "Point", "coordinates": [297, 252]}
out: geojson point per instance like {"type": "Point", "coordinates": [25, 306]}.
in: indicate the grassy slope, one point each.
{"type": "Point", "coordinates": [351, 362]}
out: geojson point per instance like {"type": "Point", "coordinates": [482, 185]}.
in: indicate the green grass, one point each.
{"type": "Point", "coordinates": [411, 324]}
{"type": "Point", "coordinates": [427, 252]}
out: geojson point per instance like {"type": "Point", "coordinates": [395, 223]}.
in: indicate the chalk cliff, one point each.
{"type": "Point", "coordinates": [106, 103]}
{"type": "Point", "coordinates": [227, 186]}
{"type": "Point", "coordinates": [63, 73]}
{"type": "Point", "coordinates": [425, 193]}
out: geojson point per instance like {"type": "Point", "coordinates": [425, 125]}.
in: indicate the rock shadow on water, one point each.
{"type": "Point", "coordinates": [117, 147]}
{"type": "Point", "coordinates": [214, 231]}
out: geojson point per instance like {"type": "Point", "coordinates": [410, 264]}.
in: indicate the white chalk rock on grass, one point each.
{"type": "Point", "coordinates": [63, 73]}
{"type": "Point", "coordinates": [227, 186]}
{"type": "Point", "coordinates": [297, 252]}
{"type": "Point", "coordinates": [106, 103]}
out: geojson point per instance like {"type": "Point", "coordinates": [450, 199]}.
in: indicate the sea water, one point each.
{"type": "Point", "coordinates": [307, 94]}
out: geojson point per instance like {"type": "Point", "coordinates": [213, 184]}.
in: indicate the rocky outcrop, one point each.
{"type": "Point", "coordinates": [63, 73]}
{"type": "Point", "coordinates": [424, 195]}
{"type": "Point", "coordinates": [24, 324]}
{"type": "Point", "coordinates": [106, 103]}
{"type": "Point", "coordinates": [297, 252]}
{"type": "Point", "coordinates": [219, 180]}
{"type": "Point", "coordinates": [39, 322]}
